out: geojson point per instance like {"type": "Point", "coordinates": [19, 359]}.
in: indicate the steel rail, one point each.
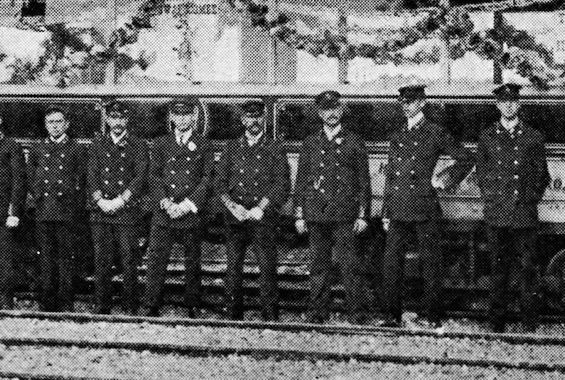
{"type": "Point", "coordinates": [39, 376]}
{"type": "Point", "coordinates": [534, 339]}
{"type": "Point", "coordinates": [274, 353]}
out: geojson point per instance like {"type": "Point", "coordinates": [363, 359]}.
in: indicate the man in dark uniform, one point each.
{"type": "Point", "coordinates": [56, 176]}
{"type": "Point", "coordinates": [512, 174]}
{"type": "Point", "coordinates": [253, 182]}
{"type": "Point", "coordinates": [332, 198]}
{"type": "Point", "coordinates": [117, 177]}
{"type": "Point", "coordinates": [179, 175]}
{"type": "Point", "coordinates": [12, 199]}
{"type": "Point", "coordinates": [411, 204]}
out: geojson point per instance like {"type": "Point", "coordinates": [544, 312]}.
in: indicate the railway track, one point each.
{"type": "Point", "coordinates": [276, 342]}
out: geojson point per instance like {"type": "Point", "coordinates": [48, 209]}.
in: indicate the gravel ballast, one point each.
{"type": "Point", "coordinates": [306, 341]}
{"type": "Point", "coordinates": [145, 365]}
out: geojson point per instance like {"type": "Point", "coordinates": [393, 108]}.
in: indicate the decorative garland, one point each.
{"type": "Point", "coordinates": [514, 49]}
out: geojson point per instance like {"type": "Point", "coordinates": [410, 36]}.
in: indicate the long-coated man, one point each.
{"type": "Point", "coordinates": [411, 204]}
{"type": "Point", "coordinates": [117, 178]}
{"type": "Point", "coordinates": [253, 182]}
{"type": "Point", "coordinates": [512, 174]}
{"type": "Point", "coordinates": [332, 201]}
{"type": "Point", "coordinates": [179, 174]}
{"type": "Point", "coordinates": [56, 175]}
{"type": "Point", "coordinates": [12, 199]}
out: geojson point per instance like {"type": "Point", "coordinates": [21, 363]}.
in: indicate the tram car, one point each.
{"type": "Point", "coordinates": [373, 113]}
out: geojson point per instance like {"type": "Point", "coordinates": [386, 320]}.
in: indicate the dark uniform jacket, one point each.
{"type": "Point", "coordinates": [177, 173]}
{"type": "Point", "coordinates": [250, 173]}
{"type": "Point", "coordinates": [512, 175]}
{"type": "Point", "coordinates": [56, 174]}
{"type": "Point", "coordinates": [113, 168]}
{"type": "Point", "coordinates": [12, 178]}
{"type": "Point", "coordinates": [413, 155]}
{"type": "Point", "coordinates": [332, 183]}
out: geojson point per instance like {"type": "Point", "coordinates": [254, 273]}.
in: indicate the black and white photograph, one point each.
{"type": "Point", "coordinates": [282, 189]}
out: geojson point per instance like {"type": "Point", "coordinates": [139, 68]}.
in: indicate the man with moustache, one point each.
{"type": "Point", "coordinates": [56, 176]}
{"type": "Point", "coordinates": [253, 182]}
{"type": "Point", "coordinates": [411, 204]}
{"type": "Point", "coordinates": [332, 200]}
{"type": "Point", "coordinates": [12, 199]}
{"type": "Point", "coordinates": [117, 177]}
{"type": "Point", "coordinates": [179, 174]}
{"type": "Point", "coordinates": [512, 175]}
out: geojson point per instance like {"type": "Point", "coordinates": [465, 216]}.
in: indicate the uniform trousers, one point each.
{"type": "Point", "coordinates": [324, 237]}
{"type": "Point", "coordinates": [508, 246]}
{"type": "Point", "coordinates": [104, 236]}
{"type": "Point", "coordinates": [56, 241]}
{"type": "Point", "coordinates": [7, 268]}
{"type": "Point", "coordinates": [239, 237]}
{"type": "Point", "coordinates": [159, 252]}
{"type": "Point", "coordinates": [427, 234]}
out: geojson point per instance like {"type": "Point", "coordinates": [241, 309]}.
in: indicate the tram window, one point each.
{"type": "Point", "coordinates": [224, 119]}
{"type": "Point", "coordinates": [465, 121]}
{"type": "Point", "coordinates": [26, 119]}
{"type": "Point", "coordinates": [149, 118]}
{"type": "Point", "coordinates": [546, 118]}
{"type": "Point", "coordinates": [371, 120]}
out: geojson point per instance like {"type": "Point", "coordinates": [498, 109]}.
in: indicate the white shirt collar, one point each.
{"type": "Point", "coordinates": [182, 137]}
{"type": "Point", "coordinates": [331, 133]}
{"type": "Point", "coordinates": [59, 139]}
{"type": "Point", "coordinates": [252, 139]}
{"type": "Point", "coordinates": [118, 138]}
{"type": "Point", "coordinates": [509, 125]}
{"type": "Point", "coordinates": [414, 120]}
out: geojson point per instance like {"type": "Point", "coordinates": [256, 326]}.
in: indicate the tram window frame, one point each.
{"type": "Point", "coordinates": [238, 101]}
{"type": "Point", "coordinates": [161, 104]}
{"type": "Point", "coordinates": [43, 104]}
{"type": "Point", "coordinates": [347, 101]}
{"type": "Point", "coordinates": [550, 141]}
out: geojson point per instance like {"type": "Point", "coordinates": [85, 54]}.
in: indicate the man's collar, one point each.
{"type": "Point", "coordinates": [61, 139]}
{"type": "Point", "coordinates": [119, 138]}
{"type": "Point", "coordinates": [415, 120]}
{"type": "Point", "coordinates": [331, 133]}
{"type": "Point", "coordinates": [253, 139]}
{"type": "Point", "coordinates": [183, 135]}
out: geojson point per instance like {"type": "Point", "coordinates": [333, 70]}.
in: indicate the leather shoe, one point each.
{"type": "Point", "coordinates": [190, 312]}
{"type": "Point", "coordinates": [391, 323]}
{"type": "Point", "coordinates": [234, 313]}
{"type": "Point", "coordinates": [315, 319]}
{"type": "Point", "coordinates": [152, 311]}
{"type": "Point", "coordinates": [498, 327]}
{"type": "Point", "coordinates": [270, 313]}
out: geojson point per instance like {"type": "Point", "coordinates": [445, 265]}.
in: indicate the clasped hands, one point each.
{"type": "Point", "coordinates": [241, 213]}
{"type": "Point", "coordinates": [177, 210]}
{"type": "Point", "coordinates": [110, 206]}
{"type": "Point", "coordinates": [359, 226]}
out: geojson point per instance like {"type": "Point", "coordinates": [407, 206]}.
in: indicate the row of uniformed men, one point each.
{"type": "Point", "coordinates": [332, 200]}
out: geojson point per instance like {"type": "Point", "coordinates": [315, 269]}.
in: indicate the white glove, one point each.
{"type": "Point", "coordinates": [300, 225]}
{"type": "Point", "coordinates": [116, 204]}
{"type": "Point", "coordinates": [386, 224]}
{"type": "Point", "coordinates": [105, 205]}
{"type": "Point", "coordinates": [175, 211]}
{"type": "Point", "coordinates": [256, 213]}
{"type": "Point", "coordinates": [12, 221]}
{"type": "Point", "coordinates": [188, 206]}
{"type": "Point", "coordinates": [438, 183]}
{"type": "Point", "coordinates": [165, 203]}
{"type": "Point", "coordinates": [238, 211]}
{"type": "Point", "coordinates": [359, 226]}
